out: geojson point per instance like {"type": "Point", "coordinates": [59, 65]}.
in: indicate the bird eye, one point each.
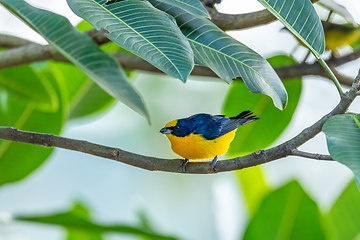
{"type": "Point", "coordinates": [176, 127]}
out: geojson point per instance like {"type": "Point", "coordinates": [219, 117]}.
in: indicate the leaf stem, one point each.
{"type": "Point", "coordinates": [330, 73]}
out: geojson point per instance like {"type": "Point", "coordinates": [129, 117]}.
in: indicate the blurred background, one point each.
{"type": "Point", "coordinates": [188, 206]}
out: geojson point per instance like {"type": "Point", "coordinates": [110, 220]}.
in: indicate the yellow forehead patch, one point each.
{"type": "Point", "coordinates": [171, 123]}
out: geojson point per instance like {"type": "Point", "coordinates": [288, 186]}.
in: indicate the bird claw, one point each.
{"type": "Point", "coordinates": [213, 164]}
{"type": "Point", "coordinates": [185, 162]}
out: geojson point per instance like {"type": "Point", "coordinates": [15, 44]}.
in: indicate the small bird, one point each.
{"type": "Point", "coordinates": [204, 136]}
{"type": "Point", "coordinates": [336, 37]}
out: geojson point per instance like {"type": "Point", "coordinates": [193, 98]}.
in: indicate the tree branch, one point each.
{"type": "Point", "coordinates": [285, 149]}
{"type": "Point", "coordinates": [29, 54]}
{"type": "Point", "coordinates": [240, 21]}
{"type": "Point", "coordinates": [228, 22]}
{"type": "Point", "coordinates": [9, 41]}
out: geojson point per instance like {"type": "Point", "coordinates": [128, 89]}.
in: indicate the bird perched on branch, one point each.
{"type": "Point", "coordinates": [204, 136]}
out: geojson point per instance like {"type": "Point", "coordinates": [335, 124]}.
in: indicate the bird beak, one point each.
{"type": "Point", "coordinates": [165, 130]}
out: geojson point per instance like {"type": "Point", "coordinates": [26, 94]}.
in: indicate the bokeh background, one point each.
{"type": "Point", "coordinates": [189, 206]}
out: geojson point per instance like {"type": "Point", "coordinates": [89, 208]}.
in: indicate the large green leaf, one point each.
{"type": "Point", "coordinates": [260, 134]}
{"type": "Point", "coordinates": [342, 221]}
{"type": "Point", "coordinates": [343, 140]}
{"type": "Point", "coordinates": [81, 51]}
{"type": "Point", "coordinates": [22, 82]}
{"type": "Point", "coordinates": [300, 17]}
{"type": "Point", "coordinates": [253, 186]}
{"type": "Point", "coordinates": [17, 160]}
{"type": "Point", "coordinates": [227, 57]}
{"type": "Point", "coordinates": [194, 7]}
{"type": "Point", "coordinates": [83, 96]}
{"type": "Point", "coordinates": [286, 213]}
{"type": "Point", "coordinates": [78, 221]}
{"type": "Point", "coordinates": [143, 30]}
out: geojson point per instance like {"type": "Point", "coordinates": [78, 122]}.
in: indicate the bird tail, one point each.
{"type": "Point", "coordinates": [245, 117]}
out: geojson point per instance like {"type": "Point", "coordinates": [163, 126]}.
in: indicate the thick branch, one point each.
{"type": "Point", "coordinates": [241, 21]}
{"type": "Point", "coordinates": [285, 149]}
{"type": "Point", "coordinates": [29, 54]}
{"type": "Point", "coordinates": [9, 41]}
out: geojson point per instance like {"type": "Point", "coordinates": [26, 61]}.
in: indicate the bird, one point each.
{"type": "Point", "coordinates": [336, 37]}
{"type": "Point", "coordinates": [204, 136]}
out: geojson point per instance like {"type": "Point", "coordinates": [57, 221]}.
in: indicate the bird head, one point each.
{"type": "Point", "coordinates": [179, 128]}
{"type": "Point", "coordinates": [169, 127]}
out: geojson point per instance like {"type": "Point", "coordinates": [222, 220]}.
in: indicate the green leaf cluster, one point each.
{"type": "Point", "coordinates": [171, 35]}
{"type": "Point", "coordinates": [289, 213]}
{"type": "Point", "coordinates": [41, 98]}
{"type": "Point", "coordinates": [81, 51]}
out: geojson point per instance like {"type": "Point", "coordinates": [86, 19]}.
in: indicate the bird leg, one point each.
{"type": "Point", "coordinates": [185, 162]}
{"type": "Point", "coordinates": [213, 163]}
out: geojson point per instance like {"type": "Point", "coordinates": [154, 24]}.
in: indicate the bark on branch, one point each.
{"type": "Point", "coordinates": [283, 150]}
{"type": "Point", "coordinates": [241, 21]}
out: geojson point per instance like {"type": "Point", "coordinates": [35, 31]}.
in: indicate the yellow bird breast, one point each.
{"type": "Point", "coordinates": [196, 147]}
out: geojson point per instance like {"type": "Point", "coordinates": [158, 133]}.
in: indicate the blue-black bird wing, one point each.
{"type": "Point", "coordinates": [230, 124]}
{"type": "Point", "coordinates": [214, 126]}
{"type": "Point", "coordinates": [207, 125]}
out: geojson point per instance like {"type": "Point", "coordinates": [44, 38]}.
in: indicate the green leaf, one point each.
{"type": "Point", "coordinates": [260, 134]}
{"type": "Point", "coordinates": [73, 234]}
{"type": "Point", "coordinates": [81, 51]}
{"type": "Point", "coordinates": [343, 141]}
{"type": "Point", "coordinates": [74, 220]}
{"type": "Point", "coordinates": [253, 187]}
{"type": "Point", "coordinates": [18, 160]}
{"type": "Point", "coordinates": [83, 235]}
{"type": "Point", "coordinates": [342, 221]}
{"type": "Point", "coordinates": [194, 7]}
{"type": "Point", "coordinates": [143, 30]}
{"type": "Point", "coordinates": [23, 83]}
{"type": "Point", "coordinates": [300, 18]}
{"type": "Point", "coordinates": [83, 96]}
{"type": "Point", "coordinates": [227, 57]}
{"type": "Point", "coordinates": [286, 213]}
{"type": "Point", "coordinates": [90, 99]}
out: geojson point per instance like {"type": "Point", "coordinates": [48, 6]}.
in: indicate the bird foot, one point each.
{"type": "Point", "coordinates": [213, 164]}
{"type": "Point", "coordinates": [185, 162]}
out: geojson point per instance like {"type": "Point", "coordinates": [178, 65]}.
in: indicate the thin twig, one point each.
{"type": "Point", "coordinates": [317, 156]}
